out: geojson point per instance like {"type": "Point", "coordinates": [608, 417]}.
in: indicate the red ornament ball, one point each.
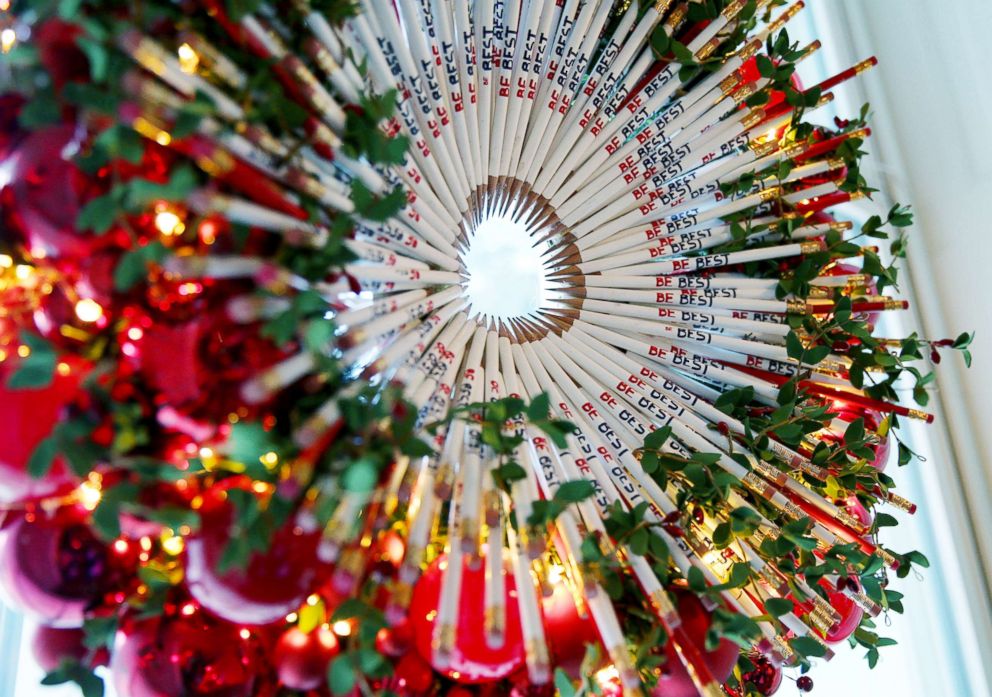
{"type": "Point", "coordinates": [27, 417]}
{"type": "Point", "coordinates": [472, 660]}
{"type": "Point", "coordinates": [412, 675]}
{"type": "Point", "coordinates": [850, 614]}
{"type": "Point", "coordinates": [765, 677]}
{"type": "Point", "coordinates": [55, 568]}
{"type": "Point", "coordinates": [51, 646]}
{"type": "Point", "coordinates": [674, 680]}
{"type": "Point", "coordinates": [272, 585]}
{"type": "Point", "coordinates": [567, 632]}
{"type": "Point", "coordinates": [301, 660]}
{"type": "Point", "coordinates": [188, 655]}
{"type": "Point", "coordinates": [45, 194]}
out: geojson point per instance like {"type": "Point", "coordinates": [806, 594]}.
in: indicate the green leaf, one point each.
{"type": "Point", "coordinates": [100, 632]}
{"type": "Point", "coordinates": [657, 439]}
{"type": "Point", "coordinates": [341, 676]}
{"type": "Point", "coordinates": [42, 457]}
{"type": "Point", "coordinates": [41, 111]}
{"type": "Point", "coordinates": [140, 193]}
{"type": "Point", "coordinates": [71, 671]}
{"type": "Point", "coordinates": [97, 55]}
{"type": "Point", "coordinates": [563, 683]}
{"type": "Point", "coordinates": [793, 346]}
{"type": "Point", "coordinates": [361, 476]}
{"type": "Point", "coordinates": [99, 214]}
{"type": "Point", "coordinates": [776, 607]}
{"type": "Point", "coordinates": [37, 370]}
{"type": "Point", "coordinates": [574, 491]}
{"type": "Point", "coordinates": [539, 407]}
{"type": "Point", "coordinates": [808, 647]}
{"type": "Point", "coordinates": [133, 265]}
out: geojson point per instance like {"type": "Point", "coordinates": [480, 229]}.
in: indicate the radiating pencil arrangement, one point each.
{"type": "Point", "coordinates": [709, 412]}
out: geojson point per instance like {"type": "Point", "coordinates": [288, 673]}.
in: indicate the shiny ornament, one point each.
{"type": "Point", "coordinates": [272, 584]}
{"type": "Point", "coordinates": [301, 659]}
{"type": "Point", "coordinates": [46, 193]}
{"type": "Point", "coordinates": [27, 417]}
{"type": "Point", "coordinates": [569, 634]}
{"type": "Point", "coordinates": [765, 677]}
{"type": "Point", "coordinates": [51, 646]}
{"type": "Point", "coordinates": [674, 681]}
{"type": "Point", "coordinates": [472, 660]}
{"type": "Point", "coordinates": [189, 655]}
{"type": "Point", "coordinates": [55, 568]}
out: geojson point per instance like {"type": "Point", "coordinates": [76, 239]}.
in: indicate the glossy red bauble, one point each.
{"type": "Point", "coordinates": [51, 646]}
{"type": "Point", "coordinates": [765, 677]}
{"type": "Point", "coordinates": [188, 655]}
{"type": "Point", "coordinates": [850, 614]}
{"type": "Point", "coordinates": [55, 568]}
{"type": "Point", "coordinates": [412, 675]}
{"type": "Point", "coordinates": [46, 192]}
{"type": "Point", "coordinates": [301, 660]}
{"type": "Point", "coordinates": [674, 680]}
{"type": "Point", "coordinates": [272, 585]}
{"type": "Point", "coordinates": [27, 416]}
{"type": "Point", "coordinates": [568, 633]}
{"type": "Point", "coordinates": [473, 660]}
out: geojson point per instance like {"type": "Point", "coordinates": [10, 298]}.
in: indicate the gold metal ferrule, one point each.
{"type": "Point", "coordinates": [810, 50]}
{"type": "Point", "coordinates": [728, 83]}
{"type": "Point", "coordinates": [865, 603]}
{"type": "Point", "coordinates": [677, 16]}
{"type": "Point", "coordinates": [764, 148]}
{"type": "Point", "coordinates": [792, 511]}
{"type": "Point", "coordinates": [810, 246]}
{"type": "Point", "coordinates": [147, 55]}
{"type": "Point", "coordinates": [494, 620]}
{"type": "Point", "coordinates": [899, 502]}
{"type": "Point", "coordinates": [781, 21]}
{"type": "Point", "coordinates": [758, 485]}
{"type": "Point", "coordinates": [733, 9]}
{"type": "Point", "coordinates": [753, 118]}
{"type": "Point", "coordinates": [323, 57]}
{"type": "Point", "coordinates": [770, 194]}
{"type": "Point", "coordinates": [771, 472]}
{"type": "Point", "coordinates": [865, 66]}
{"type": "Point", "coordinates": [824, 607]}
{"type": "Point", "coordinates": [850, 521]}
{"type": "Point", "coordinates": [749, 49]}
{"type": "Point", "coordinates": [661, 7]}
{"type": "Point", "coordinates": [745, 93]}
{"type": "Point", "coordinates": [797, 307]}
{"type": "Point", "coordinates": [444, 639]}
{"type": "Point", "coordinates": [217, 163]}
{"type": "Point", "coordinates": [708, 48]}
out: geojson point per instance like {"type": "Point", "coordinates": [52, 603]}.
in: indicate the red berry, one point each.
{"type": "Point", "coordinates": [804, 683]}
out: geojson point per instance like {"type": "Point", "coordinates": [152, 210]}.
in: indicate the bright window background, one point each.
{"type": "Point", "coordinates": [930, 147]}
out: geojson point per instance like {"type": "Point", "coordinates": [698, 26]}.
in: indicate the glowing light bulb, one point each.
{"type": "Point", "coordinates": [89, 495]}
{"type": "Point", "coordinates": [8, 37]}
{"type": "Point", "coordinates": [89, 310]}
{"type": "Point", "coordinates": [169, 224]}
{"type": "Point", "coordinates": [173, 546]}
{"type": "Point", "coordinates": [189, 61]}
{"type": "Point", "coordinates": [341, 628]}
